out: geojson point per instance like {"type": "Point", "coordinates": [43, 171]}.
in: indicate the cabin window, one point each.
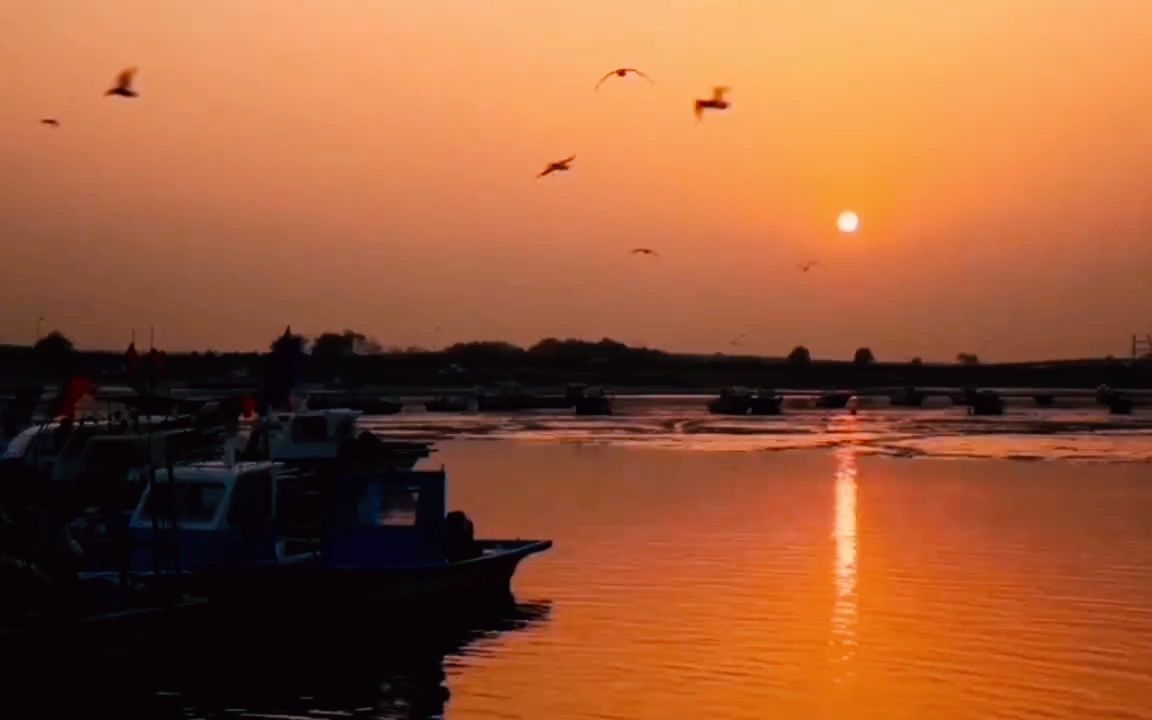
{"type": "Point", "coordinates": [380, 506]}
{"type": "Point", "coordinates": [252, 501]}
{"type": "Point", "coordinates": [309, 429]}
{"type": "Point", "coordinates": [189, 502]}
{"type": "Point", "coordinates": [113, 454]}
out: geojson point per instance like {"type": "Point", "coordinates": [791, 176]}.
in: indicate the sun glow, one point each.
{"type": "Point", "coordinates": [848, 222]}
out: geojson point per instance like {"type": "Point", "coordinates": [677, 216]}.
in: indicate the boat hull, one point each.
{"type": "Point", "coordinates": [446, 588]}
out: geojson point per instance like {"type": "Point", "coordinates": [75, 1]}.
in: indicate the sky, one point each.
{"type": "Point", "coordinates": [371, 164]}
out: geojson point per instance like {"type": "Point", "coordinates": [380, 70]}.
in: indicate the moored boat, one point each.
{"type": "Point", "coordinates": [449, 403]}
{"type": "Point", "coordinates": [745, 401]}
{"type": "Point", "coordinates": [984, 402]}
{"type": "Point", "coordinates": [311, 436]}
{"type": "Point", "coordinates": [366, 403]}
{"type": "Point", "coordinates": [594, 401]}
{"type": "Point", "coordinates": [261, 535]}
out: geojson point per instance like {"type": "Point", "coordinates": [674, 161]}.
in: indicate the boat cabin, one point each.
{"type": "Point", "coordinates": [56, 449]}
{"type": "Point", "coordinates": [310, 435]}
{"type": "Point", "coordinates": [262, 513]}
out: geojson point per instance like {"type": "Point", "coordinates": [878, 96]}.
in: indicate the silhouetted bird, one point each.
{"type": "Point", "coordinates": [50, 122]}
{"type": "Point", "coordinates": [559, 166]}
{"type": "Point", "coordinates": [123, 86]}
{"type": "Point", "coordinates": [738, 341]}
{"type": "Point", "coordinates": [645, 251]}
{"type": "Point", "coordinates": [717, 102]}
{"type": "Point", "coordinates": [622, 72]}
{"type": "Point", "coordinates": [805, 267]}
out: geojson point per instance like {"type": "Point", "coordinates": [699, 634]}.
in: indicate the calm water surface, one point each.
{"type": "Point", "coordinates": [698, 572]}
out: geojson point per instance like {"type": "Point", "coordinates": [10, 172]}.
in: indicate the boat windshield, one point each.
{"type": "Point", "coordinates": [190, 502]}
{"type": "Point", "coordinates": [377, 505]}
{"type": "Point", "coordinates": [114, 453]}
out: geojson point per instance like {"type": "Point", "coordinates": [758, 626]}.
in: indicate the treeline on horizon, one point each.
{"type": "Point", "coordinates": [352, 344]}
{"type": "Point", "coordinates": [352, 359]}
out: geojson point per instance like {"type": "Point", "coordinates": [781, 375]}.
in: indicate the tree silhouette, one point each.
{"type": "Point", "coordinates": [288, 343]}
{"type": "Point", "coordinates": [54, 343]}
{"type": "Point", "coordinates": [343, 344]}
{"type": "Point", "coordinates": [863, 356]}
{"type": "Point", "coordinates": [484, 351]}
{"type": "Point", "coordinates": [800, 356]}
{"type": "Point", "coordinates": [967, 359]}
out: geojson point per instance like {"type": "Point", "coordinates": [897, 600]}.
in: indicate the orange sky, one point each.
{"type": "Point", "coordinates": [370, 164]}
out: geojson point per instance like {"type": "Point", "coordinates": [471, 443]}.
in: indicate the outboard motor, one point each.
{"type": "Point", "coordinates": [459, 537]}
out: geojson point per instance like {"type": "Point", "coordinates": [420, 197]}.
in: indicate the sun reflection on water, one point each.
{"type": "Point", "coordinates": [845, 609]}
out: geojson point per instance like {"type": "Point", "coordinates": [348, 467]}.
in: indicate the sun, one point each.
{"type": "Point", "coordinates": [848, 222]}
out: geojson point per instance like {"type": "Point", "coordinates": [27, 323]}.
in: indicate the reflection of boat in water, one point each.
{"type": "Point", "coordinates": [744, 401]}
{"type": "Point", "coordinates": [283, 674]}
{"type": "Point", "coordinates": [44, 615]}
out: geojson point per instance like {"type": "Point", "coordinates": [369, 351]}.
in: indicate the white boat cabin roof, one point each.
{"type": "Point", "coordinates": [215, 471]}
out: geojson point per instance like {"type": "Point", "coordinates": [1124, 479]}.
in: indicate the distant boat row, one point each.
{"type": "Point", "coordinates": [737, 400]}
{"type": "Point", "coordinates": [747, 401]}
{"type": "Point", "coordinates": [500, 397]}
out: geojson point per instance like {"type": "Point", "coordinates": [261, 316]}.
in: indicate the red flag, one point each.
{"type": "Point", "coordinates": [76, 388]}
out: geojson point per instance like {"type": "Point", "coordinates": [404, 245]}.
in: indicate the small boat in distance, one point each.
{"type": "Point", "coordinates": [510, 396]}
{"type": "Point", "coordinates": [594, 401]}
{"type": "Point", "coordinates": [450, 403]}
{"type": "Point", "coordinates": [364, 402]}
{"type": "Point", "coordinates": [984, 402]}
{"type": "Point", "coordinates": [745, 401]}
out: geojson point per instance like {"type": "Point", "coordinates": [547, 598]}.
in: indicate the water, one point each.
{"type": "Point", "coordinates": [681, 423]}
{"type": "Point", "coordinates": [793, 567]}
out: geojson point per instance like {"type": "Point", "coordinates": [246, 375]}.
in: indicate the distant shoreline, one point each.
{"type": "Point", "coordinates": [654, 374]}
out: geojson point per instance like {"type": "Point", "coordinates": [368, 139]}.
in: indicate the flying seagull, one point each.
{"type": "Point", "coordinates": [622, 72]}
{"type": "Point", "coordinates": [558, 166]}
{"type": "Point", "coordinates": [805, 267]}
{"type": "Point", "coordinates": [50, 122]}
{"type": "Point", "coordinates": [645, 251]}
{"type": "Point", "coordinates": [123, 86]}
{"type": "Point", "coordinates": [716, 102]}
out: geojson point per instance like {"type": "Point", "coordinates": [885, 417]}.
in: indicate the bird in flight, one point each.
{"type": "Point", "coordinates": [645, 251]}
{"type": "Point", "coordinates": [558, 166]}
{"type": "Point", "coordinates": [123, 86]}
{"type": "Point", "coordinates": [738, 341]}
{"type": "Point", "coordinates": [50, 122]}
{"type": "Point", "coordinates": [622, 72]}
{"type": "Point", "coordinates": [805, 267]}
{"type": "Point", "coordinates": [716, 102]}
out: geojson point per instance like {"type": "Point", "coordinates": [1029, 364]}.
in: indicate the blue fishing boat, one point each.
{"type": "Point", "coordinates": [271, 538]}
